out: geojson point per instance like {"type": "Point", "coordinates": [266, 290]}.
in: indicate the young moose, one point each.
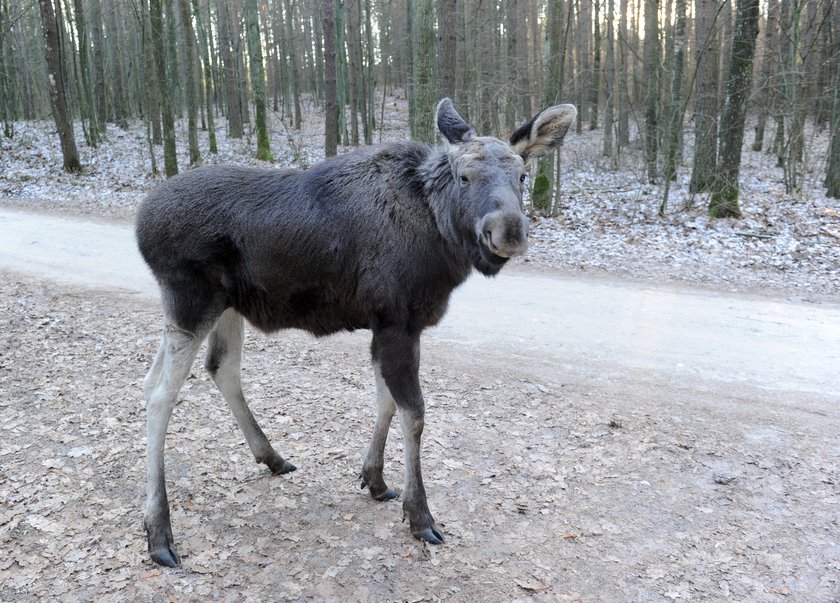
{"type": "Point", "coordinates": [375, 239]}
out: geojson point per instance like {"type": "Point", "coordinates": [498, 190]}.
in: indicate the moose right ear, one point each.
{"type": "Point", "coordinates": [544, 132]}
{"type": "Point", "coordinates": [450, 124]}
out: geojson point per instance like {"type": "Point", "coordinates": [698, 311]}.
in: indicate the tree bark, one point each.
{"type": "Point", "coordinates": [330, 92]}
{"type": "Point", "coordinates": [234, 112]}
{"type": "Point", "coordinates": [191, 96]}
{"type": "Point", "coordinates": [609, 82]}
{"type": "Point", "coordinates": [765, 98]}
{"type": "Point", "coordinates": [294, 65]}
{"type": "Point", "coordinates": [170, 159]}
{"type": "Point", "coordinates": [88, 111]}
{"type": "Point", "coordinates": [208, 87]}
{"type": "Point", "coordinates": [832, 174]}
{"type": "Point", "coordinates": [724, 199]}
{"type": "Point", "coordinates": [119, 102]}
{"type": "Point", "coordinates": [448, 22]}
{"type": "Point", "coordinates": [652, 53]}
{"type": "Point", "coordinates": [422, 127]}
{"type": "Point", "coordinates": [705, 97]}
{"type": "Point", "coordinates": [58, 95]}
{"type": "Point", "coordinates": [257, 78]}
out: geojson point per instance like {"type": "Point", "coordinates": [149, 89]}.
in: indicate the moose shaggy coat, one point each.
{"type": "Point", "coordinates": [375, 239]}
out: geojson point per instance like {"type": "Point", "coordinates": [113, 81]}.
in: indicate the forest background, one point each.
{"type": "Point", "coordinates": [670, 94]}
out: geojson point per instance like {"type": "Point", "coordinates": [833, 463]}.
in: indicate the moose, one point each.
{"type": "Point", "coordinates": [374, 239]}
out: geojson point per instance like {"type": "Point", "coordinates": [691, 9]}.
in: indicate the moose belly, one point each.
{"type": "Point", "coordinates": [314, 308]}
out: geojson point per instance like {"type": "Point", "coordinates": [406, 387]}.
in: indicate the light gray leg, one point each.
{"type": "Point", "coordinates": [169, 371]}
{"type": "Point", "coordinates": [152, 377]}
{"type": "Point", "coordinates": [224, 361]}
{"type": "Point", "coordinates": [374, 462]}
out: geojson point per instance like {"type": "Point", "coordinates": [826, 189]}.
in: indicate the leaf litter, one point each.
{"type": "Point", "coordinates": [538, 495]}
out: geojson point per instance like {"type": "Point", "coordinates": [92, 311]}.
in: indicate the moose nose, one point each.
{"type": "Point", "coordinates": [505, 233]}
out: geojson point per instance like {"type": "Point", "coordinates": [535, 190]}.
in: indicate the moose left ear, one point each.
{"type": "Point", "coordinates": [450, 124]}
{"type": "Point", "coordinates": [544, 132]}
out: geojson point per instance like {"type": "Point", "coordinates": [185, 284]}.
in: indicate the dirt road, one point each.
{"type": "Point", "coordinates": [586, 440]}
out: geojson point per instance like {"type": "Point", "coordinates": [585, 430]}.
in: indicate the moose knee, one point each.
{"type": "Point", "coordinates": [412, 422]}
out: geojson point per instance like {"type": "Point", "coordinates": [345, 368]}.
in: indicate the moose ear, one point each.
{"type": "Point", "coordinates": [450, 124]}
{"type": "Point", "coordinates": [544, 132]}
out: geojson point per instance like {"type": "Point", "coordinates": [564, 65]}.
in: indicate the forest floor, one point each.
{"type": "Point", "coordinates": [552, 482]}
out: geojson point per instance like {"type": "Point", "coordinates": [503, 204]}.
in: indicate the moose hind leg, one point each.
{"type": "Point", "coordinates": [169, 371]}
{"type": "Point", "coordinates": [223, 362]}
{"type": "Point", "coordinates": [374, 461]}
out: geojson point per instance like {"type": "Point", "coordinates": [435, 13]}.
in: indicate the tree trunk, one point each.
{"type": "Point", "coordinates": [832, 175]}
{"type": "Point", "coordinates": [609, 82]}
{"type": "Point", "coordinates": [330, 93]}
{"type": "Point", "coordinates": [584, 38]}
{"type": "Point", "coordinates": [98, 44]}
{"type": "Point", "coordinates": [676, 119]}
{"type": "Point", "coordinates": [624, 79]}
{"type": "Point", "coordinates": [170, 159]}
{"type": "Point", "coordinates": [252, 23]}
{"type": "Point", "coordinates": [119, 103]}
{"type": "Point", "coordinates": [192, 97]}
{"type": "Point", "coordinates": [294, 66]}
{"type": "Point", "coordinates": [512, 66]}
{"type": "Point", "coordinates": [794, 86]}
{"type": "Point", "coordinates": [705, 98]}
{"type": "Point", "coordinates": [724, 199]}
{"type": "Point", "coordinates": [542, 193]}
{"type": "Point", "coordinates": [234, 112]}
{"type": "Point", "coordinates": [652, 52]}
{"type": "Point", "coordinates": [58, 95]}
{"type": "Point", "coordinates": [765, 97]}
{"type": "Point", "coordinates": [422, 127]}
{"type": "Point", "coordinates": [88, 110]}
{"type": "Point", "coordinates": [448, 22]}
{"type": "Point", "coordinates": [354, 53]}
{"type": "Point", "coordinates": [209, 88]}
{"type": "Point", "coordinates": [595, 91]}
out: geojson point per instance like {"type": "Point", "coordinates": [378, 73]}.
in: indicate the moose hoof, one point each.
{"type": "Point", "coordinates": [378, 490]}
{"type": "Point", "coordinates": [278, 464]}
{"type": "Point", "coordinates": [166, 556]}
{"type": "Point", "coordinates": [430, 534]}
{"type": "Point", "coordinates": [161, 549]}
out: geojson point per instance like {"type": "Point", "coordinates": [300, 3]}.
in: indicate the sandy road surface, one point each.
{"type": "Point", "coordinates": [771, 343]}
{"type": "Point", "coordinates": [594, 441]}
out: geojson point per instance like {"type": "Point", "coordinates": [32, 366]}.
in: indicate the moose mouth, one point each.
{"type": "Point", "coordinates": [490, 253]}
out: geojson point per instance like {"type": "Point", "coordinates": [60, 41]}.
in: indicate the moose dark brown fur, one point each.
{"type": "Point", "coordinates": [375, 239]}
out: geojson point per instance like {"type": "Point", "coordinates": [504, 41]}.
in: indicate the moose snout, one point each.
{"type": "Point", "coordinates": [504, 233]}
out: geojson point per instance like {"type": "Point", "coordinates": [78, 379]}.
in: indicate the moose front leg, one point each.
{"type": "Point", "coordinates": [400, 364]}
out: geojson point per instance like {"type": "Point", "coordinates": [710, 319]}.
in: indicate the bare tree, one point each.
{"type": "Point", "coordinates": [257, 78]}
{"type": "Point", "coordinates": [56, 85]}
{"type": "Point", "coordinates": [724, 189]}
{"type": "Point", "coordinates": [330, 92]}
{"type": "Point", "coordinates": [705, 96]}
{"type": "Point", "coordinates": [192, 97]}
{"type": "Point", "coordinates": [652, 53]}
{"type": "Point", "coordinates": [170, 159]}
